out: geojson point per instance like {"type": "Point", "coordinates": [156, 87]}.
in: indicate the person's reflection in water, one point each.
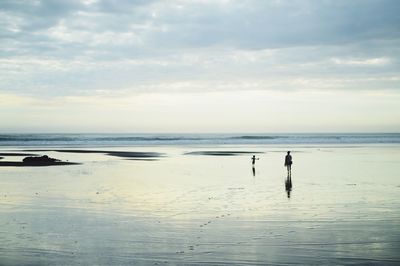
{"type": "Point", "coordinates": [288, 185]}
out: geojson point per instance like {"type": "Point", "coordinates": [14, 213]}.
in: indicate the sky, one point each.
{"type": "Point", "coordinates": [135, 66]}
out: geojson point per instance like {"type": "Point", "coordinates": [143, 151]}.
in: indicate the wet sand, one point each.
{"type": "Point", "coordinates": [140, 156]}
{"type": "Point", "coordinates": [344, 207]}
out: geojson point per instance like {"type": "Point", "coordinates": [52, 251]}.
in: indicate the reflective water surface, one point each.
{"type": "Point", "coordinates": [340, 206]}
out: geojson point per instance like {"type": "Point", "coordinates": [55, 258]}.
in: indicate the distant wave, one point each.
{"type": "Point", "coordinates": [33, 138]}
{"type": "Point", "coordinates": [13, 138]}
{"type": "Point", "coordinates": [144, 139]}
{"type": "Point", "coordinates": [257, 137]}
{"type": "Point", "coordinates": [184, 139]}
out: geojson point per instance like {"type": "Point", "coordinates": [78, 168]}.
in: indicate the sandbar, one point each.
{"type": "Point", "coordinates": [23, 164]}
{"type": "Point", "coordinates": [16, 154]}
{"type": "Point", "coordinates": [222, 153]}
{"type": "Point", "coordinates": [122, 154]}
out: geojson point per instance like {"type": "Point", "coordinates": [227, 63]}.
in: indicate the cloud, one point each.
{"type": "Point", "coordinates": [193, 24]}
{"type": "Point", "coordinates": [362, 62]}
{"type": "Point", "coordinates": [66, 48]}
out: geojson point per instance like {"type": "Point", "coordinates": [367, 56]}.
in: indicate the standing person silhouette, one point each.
{"type": "Point", "coordinates": [288, 163]}
{"type": "Point", "coordinates": [253, 160]}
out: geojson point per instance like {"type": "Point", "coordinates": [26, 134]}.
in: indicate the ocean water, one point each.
{"type": "Point", "coordinates": [193, 139]}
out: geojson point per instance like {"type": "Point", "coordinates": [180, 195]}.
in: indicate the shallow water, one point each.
{"type": "Point", "coordinates": [199, 209]}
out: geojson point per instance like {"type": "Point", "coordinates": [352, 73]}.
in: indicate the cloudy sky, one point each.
{"type": "Point", "coordinates": [199, 66]}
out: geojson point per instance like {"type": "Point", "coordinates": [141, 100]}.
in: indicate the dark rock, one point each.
{"type": "Point", "coordinates": [39, 160]}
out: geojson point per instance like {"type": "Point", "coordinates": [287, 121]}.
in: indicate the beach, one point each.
{"type": "Point", "coordinates": [202, 204]}
{"type": "Point", "coordinates": [180, 132]}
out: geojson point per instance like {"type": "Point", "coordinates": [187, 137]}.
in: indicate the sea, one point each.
{"type": "Point", "coordinates": [73, 140]}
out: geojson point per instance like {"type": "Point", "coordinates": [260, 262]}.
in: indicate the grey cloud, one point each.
{"type": "Point", "coordinates": [241, 24]}
{"type": "Point", "coordinates": [88, 45]}
{"type": "Point", "coordinates": [120, 6]}
{"type": "Point", "coordinates": [262, 24]}
{"type": "Point", "coordinates": [40, 14]}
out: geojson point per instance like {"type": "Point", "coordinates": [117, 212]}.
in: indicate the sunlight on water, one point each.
{"type": "Point", "coordinates": [190, 208]}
